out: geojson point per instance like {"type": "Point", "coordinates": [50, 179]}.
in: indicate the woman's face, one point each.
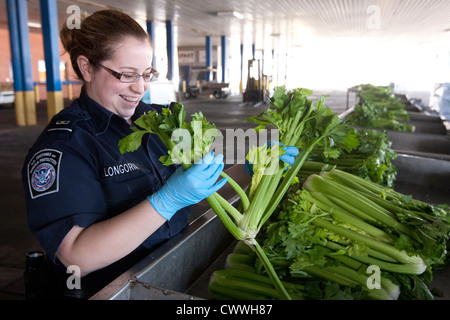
{"type": "Point", "coordinates": [130, 55]}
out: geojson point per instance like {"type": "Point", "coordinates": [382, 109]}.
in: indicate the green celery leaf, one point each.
{"type": "Point", "coordinates": [131, 142]}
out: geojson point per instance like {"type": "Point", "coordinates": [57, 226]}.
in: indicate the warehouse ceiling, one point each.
{"type": "Point", "coordinates": [286, 23]}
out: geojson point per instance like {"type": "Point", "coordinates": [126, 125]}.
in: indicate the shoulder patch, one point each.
{"type": "Point", "coordinates": [43, 172]}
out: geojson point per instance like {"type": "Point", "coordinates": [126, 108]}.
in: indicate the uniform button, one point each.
{"type": "Point", "coordinates": [164, 177]}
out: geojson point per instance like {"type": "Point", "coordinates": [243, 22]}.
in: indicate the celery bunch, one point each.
{"type": "Point", "coordinates": [340, 224]}
{"type": "Point", "coordinates": [240, 279]}
{"type": "Point", "coordinates": [371, 160]}
{"type": "Point", "coordinates": [379, 108]}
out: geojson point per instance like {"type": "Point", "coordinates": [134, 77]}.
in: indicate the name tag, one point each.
{"type": "Point", "coordinates": [120, 169]}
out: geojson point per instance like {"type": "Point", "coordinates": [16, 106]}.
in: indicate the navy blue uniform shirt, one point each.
{"type": "Point", "coordinates": [75, 175]}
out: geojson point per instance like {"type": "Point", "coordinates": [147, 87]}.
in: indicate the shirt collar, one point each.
{"type": "Point", "coordinates": [100, 116]}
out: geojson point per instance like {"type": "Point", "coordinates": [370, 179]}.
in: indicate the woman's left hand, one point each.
{"type": "Point", "coordinates": [288, 156]}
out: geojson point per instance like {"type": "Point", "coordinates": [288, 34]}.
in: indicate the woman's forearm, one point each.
{"type": "Point", "coordinates": [105, 242]}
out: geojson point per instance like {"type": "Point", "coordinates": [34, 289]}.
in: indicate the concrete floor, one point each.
{"type": "Point", "coordinates": [15, 238]}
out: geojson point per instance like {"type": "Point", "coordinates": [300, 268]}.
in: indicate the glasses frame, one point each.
{"type": "Point", "coordinates": [137, 76]}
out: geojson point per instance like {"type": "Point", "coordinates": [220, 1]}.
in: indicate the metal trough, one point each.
{"type": "Point", "coordinates": [425, 178]}
{"type": "Point", "coordinates": [421, 144]}
{"type": "Point", "coordinates": [159, 275]}
{"type": "Point", "coordinates": [425, 122]}
{"type": "Point", "coordinates": [430, 138]}
{"type": "Point", "coordinates": [424, 116]}
{"type": "Point", "coordinates": [171, 269]}
{"type": "Point", "coordinates": [421, 126]}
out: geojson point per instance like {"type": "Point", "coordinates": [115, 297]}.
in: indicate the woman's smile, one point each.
{"type": "Point", "coordinates": [130, 99]}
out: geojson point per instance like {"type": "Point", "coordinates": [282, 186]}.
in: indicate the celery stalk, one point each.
{"type": "Point", "coordinates": [324, 273]}
{"type": "Point", "coordinates": [347, 276]}
{"type": "Point", "coordinates": [318, 183]}
{"type": "Point", "coordinates": [238, 284]}
{"type": "Point", "coordinates": [270, 270]}
{"type": "Point", "coordinates": [249, 286]}
{"type": "Point", "coordinates": [400, 256]}
{"type": "Point", "coordinates": [406, 268]}
{"type": "Point", "coordinates": [285, 184]}
{"type": "Point", "coordinates": [237, 188]}
{"type": "Point", "coordinates": [240, 261]}
{"type": "Point", "coordinates": [322, 202]}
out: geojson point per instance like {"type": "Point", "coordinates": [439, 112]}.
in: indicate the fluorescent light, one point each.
{"type": "Point", "coordinates": [233, 13]}
{"type": "Point", "coordinates": [238, 15]}
{"type": "Point", "coordinates": [34, 24]}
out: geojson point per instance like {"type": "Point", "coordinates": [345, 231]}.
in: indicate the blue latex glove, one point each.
{"type": "Point", "coordinates": [288, 157]}
{"type": "Point", "coordinates": [187, 187]}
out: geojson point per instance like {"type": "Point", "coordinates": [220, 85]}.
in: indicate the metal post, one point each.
{"type": "Point", "coordinates": [36, 92]}
{"type": "Point", "coordinates": [224, 57]}
{"type": "Point", "coordinates": [208, 48]}
{"type": "Point", "coordinates": [241, 85]}
{"type": "Point", "coordinates": [25, 57]}
{"type": "Point", "coordinates": [70, 91]}
{"type": "Point", "coordinates": [50, 32]}
{"type": "Point", "coordinates": [170, 49]}
{"type": "Point", "coordinates": [151, 33]}
{"type": "Point", "coordinates": [24, 102]}
{"type": "Point", "coordinates": [19, 105]}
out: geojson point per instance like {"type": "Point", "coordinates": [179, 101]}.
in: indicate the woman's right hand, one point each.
{"type": "Point", "coordinates": [187, 187]}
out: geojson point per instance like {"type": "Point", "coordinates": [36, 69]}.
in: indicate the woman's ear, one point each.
{"type": "Point", "coordinates": [85, 68]}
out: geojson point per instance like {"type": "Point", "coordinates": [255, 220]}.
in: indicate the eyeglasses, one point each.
{"type": "Point", "coordinates": [130, 77]}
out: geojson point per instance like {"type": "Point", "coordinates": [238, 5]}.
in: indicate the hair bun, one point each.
{"type": "Point", "coordinates": [96, 36]}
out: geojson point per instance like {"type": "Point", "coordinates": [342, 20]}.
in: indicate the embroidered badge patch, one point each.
{"type": "Point", "coordinates": [43, 170]}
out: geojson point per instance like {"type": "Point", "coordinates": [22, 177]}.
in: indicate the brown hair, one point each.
{"type": "Point", "coordinates": [97, 36]}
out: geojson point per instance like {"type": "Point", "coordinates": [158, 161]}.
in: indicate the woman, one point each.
{"type": "Point", "coordinates": [87, 204]}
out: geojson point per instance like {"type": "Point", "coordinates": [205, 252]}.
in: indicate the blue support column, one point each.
{"type": "Point", "coordinates": [25, 105]}
{"type": "Point", "coordinates": [273, 65]}
{"type": "Point", "coordinates": [263, 60]}
{"type": "Point", "coordinates": [24, 38]}
{"type": "Point", "coordinates": [241, 85]}
{"type": "Point", "coordinates": [223, 41]}
{"type": "Point", "coordinates": [151, 33]}
{"type": "Point", "coordinates": [170, 50]}
{"type": "Point", "coordinates": [208, 48]}
{"type": "Point", "coordinates": [50, 32]}
{"type": "Point", "coordinates": [19, 106]}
